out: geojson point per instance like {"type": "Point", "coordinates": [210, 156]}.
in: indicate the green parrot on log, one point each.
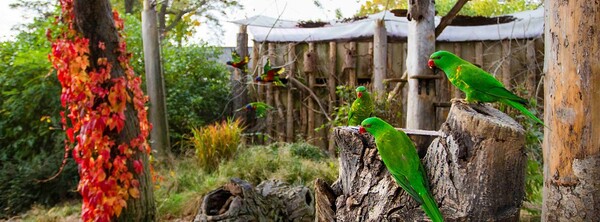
{"type": "Point", "coordinates": [402, 161]}
{"type": "Point", "coordinates": [259, 108]}
{"type": "Point", "coordinates": [477, 84]}
{"type": "Point", "coordinates": [361, 108]}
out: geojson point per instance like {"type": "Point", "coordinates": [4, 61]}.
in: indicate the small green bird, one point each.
{"type": "Point", "coordinates": [259, 108]}
{"type": "Point", "coordinates": [361, 108]}
{"type": "Point", "coordinates": [477, 84]}
{"type": "Point", "coordinates": [400, 157]}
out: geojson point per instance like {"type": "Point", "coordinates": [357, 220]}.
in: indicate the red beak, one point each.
{"type": "Point", "coordinates": [362, 130]}
{"type": "Point", "coordinates": [430, 63]}
{"type": "Point", "coordinates": [359, 94]}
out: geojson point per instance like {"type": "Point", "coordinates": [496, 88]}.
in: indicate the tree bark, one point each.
{"type": "Point", "coordinates": [270, 201]}
{"type": "Point", "coordinates": [475, 169]}
{"type": "Point", "coordinates": [421, 91]}
{"type": "Point", "coordinates": [155, 86]}
{"type": "Point", "coordinates": [94, 19]}
{"type": "Point", "coordinates": [572, 84]}
{"type": "Point", "coordinates": [239, 78]}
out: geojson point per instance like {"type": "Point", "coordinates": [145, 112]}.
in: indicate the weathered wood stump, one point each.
{"type": "Point", "coordinates": [476, 172]}
{"type": "Point", "coordinates": [271, 200]}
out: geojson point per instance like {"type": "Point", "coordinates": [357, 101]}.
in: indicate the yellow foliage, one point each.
{"type": "Point", "coordinates": [216, 142]}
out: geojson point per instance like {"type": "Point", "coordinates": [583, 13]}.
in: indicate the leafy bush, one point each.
{"type": "Point", "coordinates": [31, 139]}
{"type": "Point", "coordinates": [216, 142]}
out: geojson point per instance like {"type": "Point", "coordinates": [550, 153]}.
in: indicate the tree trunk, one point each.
{"type": "Point", "coordinates": [270, 201]}
{"type": "Point", "coordinates": [421, 91]}
{"type": "Point", "coordinates": [155, 85]}
{"type": "Point", "coordinates": [94, 19]}
{"type": "Point", "coordinates": [239, 78]}
{"type": "Point", "coordinates": [571, 153]}
{"type": "Point", "coordinates": [476, 172]}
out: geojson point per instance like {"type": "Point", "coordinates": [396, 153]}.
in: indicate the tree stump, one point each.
{"type": "Point", "coordinates": [271, 200]}
{"type": "Point", "coordinates": [475, 169]}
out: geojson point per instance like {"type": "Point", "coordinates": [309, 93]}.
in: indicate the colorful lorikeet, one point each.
{"type": "Point", "coordinates": [238, 62]}
{"type": "Point", "coordinates": [259, 108]}
{"type": "Point", "coordinates": [361, 108]}
{"type": "Point", "coordinates": [477, 84]}
{"type": "Point", "coordinates": [271, 74]}
{"type": "Point", "coordinates": [402, 161]}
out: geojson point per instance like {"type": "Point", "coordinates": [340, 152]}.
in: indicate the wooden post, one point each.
{"type": "Point", "coordinates": [310, 58]}
{"type": "Point", "coordinates": [350, 63]}
{"type": "Point", "coordinates": [256, 66]}
{"type": "Point", "coordinates": [531, 80]}
{"type": "Point", "coordinates": [269, 95]}
{"type": "Point", "coordinates": [482, 181]}
{"type": "Point", "coordinates": [420, 111]}
{"type": "Point", "coordinates": [506, 75]}
{"type": "Point", "coordinates": [238, 80]}
{"type": "Point", "coordinates": [331, 86]}
{"type": "Point", "coordinates": [379, 58]}
{"type": "Point", "coordinates": [289, 128]}
{"type": "Point", "coordinates": [157, 111]}
{"type": "Point", "coordinates": [571, 111]}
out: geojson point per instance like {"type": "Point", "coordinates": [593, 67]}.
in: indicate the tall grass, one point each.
{"type": "Point", "coordinates": [216, 142]}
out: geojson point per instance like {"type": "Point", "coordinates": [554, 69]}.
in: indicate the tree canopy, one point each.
{"type": "Point", "coordinates": [472, 8]}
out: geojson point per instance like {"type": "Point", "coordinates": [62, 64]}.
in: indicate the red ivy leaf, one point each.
{"type": "Point", "coordinates": [137, 165]}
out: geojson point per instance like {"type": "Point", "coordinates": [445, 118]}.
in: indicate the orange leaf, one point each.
{"type": "Point", "coordinates": [134, 192]}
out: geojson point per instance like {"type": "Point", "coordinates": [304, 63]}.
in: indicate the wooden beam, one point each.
{"type": "Point", "coordinates": [379, 58]}
{"type": "Point", "coordinates": [269, 94]}
{"type": "Point", "coordinates": [309, 68]}
{"type": "Point", "coordinates": [238, 80]}
{"type": "Point", "coordinates": [331, 87]}
{"type": "Point", "coordinates": [506, 55]}
{"type": "Point", "coordinates": [289, 128]}
{"type": "Point", "coordinates": [350, 64]}
{"type": "Point", "coordinates": [421, 92]}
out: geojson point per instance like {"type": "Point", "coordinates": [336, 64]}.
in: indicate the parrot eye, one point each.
{"type": "Point", "coordinates": [367, 125]}
{"type": "Point", "coordinates": [437, 57]}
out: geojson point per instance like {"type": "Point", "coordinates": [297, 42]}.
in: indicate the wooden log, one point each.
{"type": "Point", "coordinates": [270, 201]}
{"type": "Point", "coordinates": [324, 201]}
{"type": "Point", "coordinates": [379, 58]}
{"type": "Point", "coordinates": [476, 171]}
{"type": "Point", "coordinates": [289, 127]}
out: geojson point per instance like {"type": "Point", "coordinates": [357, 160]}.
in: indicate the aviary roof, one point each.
{"type": "Point", "coordinates": [524, 25]}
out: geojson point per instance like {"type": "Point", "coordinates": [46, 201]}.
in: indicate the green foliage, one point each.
{"type": "Point", "coordinates": [216, 142]}
{"type": "Point", "coordinates": [31, 139]}
{"type": "Point", "coordinates": [197, 91]}
{"type": "Point", "coordinates": [182, 187]}
{"type": "Point", "coordinates": [471, 8]}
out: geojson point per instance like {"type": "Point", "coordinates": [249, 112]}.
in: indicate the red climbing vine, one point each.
{"type": "Point", "coordinates": [95, 114]}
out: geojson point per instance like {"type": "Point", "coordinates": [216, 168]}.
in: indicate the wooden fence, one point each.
{"type": "Point", "coordinates": [322, 66]}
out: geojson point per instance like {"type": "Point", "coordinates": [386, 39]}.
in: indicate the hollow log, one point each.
{"type": "Point", "coordinates": [475, 169]}
{"type": "Point", "coordinates": [271, 200]}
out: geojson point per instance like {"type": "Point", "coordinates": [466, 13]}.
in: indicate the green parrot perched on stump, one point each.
{"type": "Point", "coordinates": [477, 84]}
{"type": "Point", "coordinates": [361, 108]}
{"type": "Point", "coordinates": [402, 161]}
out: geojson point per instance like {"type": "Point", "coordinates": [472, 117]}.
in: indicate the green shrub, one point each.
{"type": "Point", "coordinates": [216, 142]}
{"type": "Point", "coordinates": [307, 151]}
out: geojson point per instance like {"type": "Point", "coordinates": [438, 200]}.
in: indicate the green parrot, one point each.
{"type": "Point", "coordinates": [477, 84]}
{"type": "Point", "coordinates": [402, 161]}
{"type": "Point", "coordinates": [362, 107]}
{"type": "Point", "coordinates": [259, 108]}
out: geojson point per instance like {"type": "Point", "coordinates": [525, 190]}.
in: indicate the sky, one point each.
{"type": "Point", "coordinates": [290, 10]}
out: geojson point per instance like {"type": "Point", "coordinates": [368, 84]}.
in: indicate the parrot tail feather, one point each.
{"type": "Point", "coordinates": [431, 208]}
{"type": "Point", "coordinates": [523, 110]}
